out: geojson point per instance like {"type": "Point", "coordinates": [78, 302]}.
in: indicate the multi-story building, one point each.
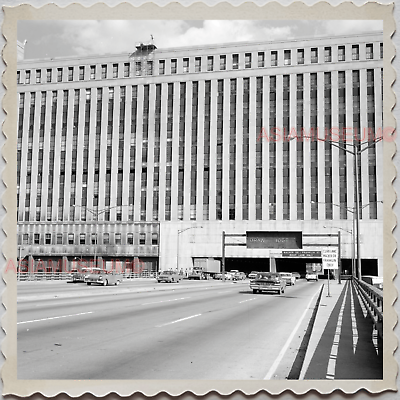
{"type": "Point", "coordinates": [120, 156]}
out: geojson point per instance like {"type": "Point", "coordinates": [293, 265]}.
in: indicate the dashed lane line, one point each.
{"type": "Point", "coordinates": [165, 301]}
{"type": "Point", "coordinates": [179, 320]}
{"type": "Point", "coordinates": [51, 318]}
{"type": "Point", "coordinates": [244, 301]}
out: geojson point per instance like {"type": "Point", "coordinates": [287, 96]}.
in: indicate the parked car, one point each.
{"type": "Point", "coordinates": [268, 282]}
{"type": "Point", "coordinates": [312, 276]}
{"type": "Point", "coordinates": [239, 276]}
{"type": "Point", "coordinates": [252, 274]}
{"type": "Point", "coordinates": [296, 275]}
{"type": "Point", "coordinates": [198, 275]}
{"type": "Point", "coordinates": [79, 276]}
{"type": "Point", "coordinates": [103, 277]}
{"type": "Point", "coordinates": [169, 277]}
{"type": "Point", "coordinates": [288, 277]}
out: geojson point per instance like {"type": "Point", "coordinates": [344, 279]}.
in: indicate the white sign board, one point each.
{"type": "Point", "coordinates": [330, 258]}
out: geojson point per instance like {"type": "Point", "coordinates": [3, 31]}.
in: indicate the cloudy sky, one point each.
{"type": "Point", "coordinates": [78, 38]}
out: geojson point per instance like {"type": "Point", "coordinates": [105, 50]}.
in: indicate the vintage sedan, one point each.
{"type": "Point", "coordinates": [288, 277]}
{"type": "Point", "coordinates": [268, 282]}
{"type": "Point", "coordinates": [79, 275]}
{"type": "Point", "coordinates": [253, 274]}
{"type": "Point", "coordinates": [103, 277]}
{"type": "Point", "coordinates": [312, 276]}
{"type": "Point", "coordinates": [169, 277]}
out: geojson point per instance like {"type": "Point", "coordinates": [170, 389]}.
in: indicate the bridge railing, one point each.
{"type": "Point", "coordinates": [67, 276]}
{"type": "Point", "coordinates": [373, 301]}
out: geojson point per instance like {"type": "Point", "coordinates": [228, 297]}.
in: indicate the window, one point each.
{"type": "Point", "coordinates": [154, 239]}
{"type": "Point", "coordinates": [82, 238]}
{"type": "Point", "coordinates": [70, 238]}
{"type": "Point", "coordinates": [210, 63]}
{"type": "Point", "coordinates": [70, 73]}
{"type": "Point", "coordinates": [106, 238]}
{"type": "Point", "coordinates": [48, 238]}
{"type": "Point", "coordinates": [81, 73]}
{"type": "Point", "coordinates": [59, 74]}
{"type": "Point", "coordinates": [355, 52]}
{"type": "Point", "coordinates": [174, 63]}
{"type": "Point", "coordinates": [328, 54]}
{"type": "Point", "coordinates": [36, 238]}
{"type": "Point", "coordinates": [300, 56]}
{"type": "Point", "coordinates": [247, 60]}
{"type": "Point", "coordinates": [222, 63]}
{"type": "Point", "coordinates": [59, 238]}
{"type": "Point", "coordinates": [115, 70]}
{"type": "Point", "coordinates": [341, 53]}
{"type": "Point", "coordinates": [117, 238]}
{"type": "Point", "coordinates": [369, 51]}
{"type": "Point", "coordinates": [381, 50]}
{"type": "Point", "coordinates": [94, 238]}
{"type": "Point", "coordinates": [186, 65]}
{"type": "Point", "coordinates": [27, 76]}
{"type": "Point", "coordinates": [197, 64]}
{"type": "Point", "coordinates": [92, 72]}
{"type": "Point", "coordinates": [161, 67]}
{"type": "Point", "coordinates": [38, 76]}
{"type": "Point", "coordinates": [286, 57]}
{"type": "Point", "coordinates": [126, 70]}
{"type": "Point", "coordinates": [104, 72]}
{"type": "Point", "coordinates": [130, 238]}
{"type": "Point", "coordinates": [49, 75]}
{"type": "Point", "coordinates": [261, 59]}
{"type": "Point", "coordinates": [18, 77]}
{"type": "Point", "coordinates": [274, 58]}
{"type": "Point", "coordinates": [138, 68]}
{"type": "Point", "coordinates": [142, 238]}
{"type": "Point", "coordinates": [235, 61]}
{"type": "Point", "coordinates": [314, 55]}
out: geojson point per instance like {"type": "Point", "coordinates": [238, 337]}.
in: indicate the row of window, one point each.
{"type": "Point", "coordinates": [145, 66]}
{"type": "Point", "coordinates": [86, 239]}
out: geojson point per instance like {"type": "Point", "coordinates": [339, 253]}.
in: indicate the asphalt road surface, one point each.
{"type": "Point", "coordinates": [145, 330]}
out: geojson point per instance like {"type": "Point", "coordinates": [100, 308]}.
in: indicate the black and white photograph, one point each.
{"type": "Point", "coordinates": [201, 200]}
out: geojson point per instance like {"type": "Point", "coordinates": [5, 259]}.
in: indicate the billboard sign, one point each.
{"type": "Point", "coordinates": [274, 240]}
{"type": "Point", "coordinates": [330, 258]}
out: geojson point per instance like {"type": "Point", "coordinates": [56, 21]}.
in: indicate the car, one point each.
{"type": "Point", "coordinates": [169, 277]}
{"type": "Point", "coordinates": [239, 276]}
{"type": "Point", "coordinates": [103, 277]}
{"type": "Point", "coordinates": [268, 282]}
{"type": "Point", "coordinates": [79, 275]}
{"type": "Point", "coordinates": [253, 274]}
{"type": "Point", "coordinates": [296, 275]}
{"type": "Point", "coordinates": [312, 276]}
{"type": "Point", "coordinates": [288, 277]}
{"type": "Point", "coordinates": [197, 275]}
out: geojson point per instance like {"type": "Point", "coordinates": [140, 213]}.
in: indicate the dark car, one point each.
{"type": "Point", "coordinates": [80, 275]}
{"type": "Point", "coordinates": [268, 282]}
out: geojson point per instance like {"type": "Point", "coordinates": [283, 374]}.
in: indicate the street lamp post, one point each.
{"type": "Point", "coordinates": [177, 247]}
{"type": "Point", "coordinates": [96, 212]}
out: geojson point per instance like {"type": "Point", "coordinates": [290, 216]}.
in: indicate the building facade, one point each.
{"type": "Point", "coordinates": [134, 156]}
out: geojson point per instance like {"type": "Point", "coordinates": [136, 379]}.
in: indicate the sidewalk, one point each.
{"type": "Point", "coordinates": [341, 344]}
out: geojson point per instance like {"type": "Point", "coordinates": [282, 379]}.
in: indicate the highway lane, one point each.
{"type": "Point", "coordinates": [204, 330]}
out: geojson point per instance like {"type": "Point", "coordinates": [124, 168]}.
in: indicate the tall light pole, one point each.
{"type": "Point", "coordinates": [356, 151]}
{"type": "Point", "coordinates": [96, 212]}
{"type": "Point", "coordinates": [177, 247]}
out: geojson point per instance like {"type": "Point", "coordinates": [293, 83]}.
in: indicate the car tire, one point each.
{"type": "Point", "coordinates": [105, 283]}
{"type": "Point", "coordinates": [88, 283]}
{"type": "Point", "coordinates": [255, 291]}
{"type": "Point", "coordinates": [117, 283]}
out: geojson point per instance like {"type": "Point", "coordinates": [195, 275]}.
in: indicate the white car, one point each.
{"type": "Point", "coordinates": [288, 277]}
{"type": "Point", "coordinates": [312, 276]}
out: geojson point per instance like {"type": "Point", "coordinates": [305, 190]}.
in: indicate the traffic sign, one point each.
{"type": "Point", "coordinates": [330, 258]}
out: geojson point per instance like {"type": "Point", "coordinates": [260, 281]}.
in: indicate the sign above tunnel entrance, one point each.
{"type": "Point", "coordinates": [274, 240]}
{"type": "Point", "coordinates": [304, 253]}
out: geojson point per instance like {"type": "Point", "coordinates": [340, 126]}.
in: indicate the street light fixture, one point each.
{"type": "Point", "coordinates": [96, 213]}
{"type": "Point", "coordinates": [177, 247]}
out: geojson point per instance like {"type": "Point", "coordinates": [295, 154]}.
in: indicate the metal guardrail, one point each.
{"type": "Point", "coordinates": [67, 276]}
{"type": "Point", "coordinates": [373, 301]}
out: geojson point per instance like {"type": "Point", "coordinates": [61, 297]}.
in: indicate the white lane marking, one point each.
{"type": "Point", "coordinates": [165, 301]}
{"type": "Point", "coordinates": [331, 370]}
{"type": "Point", "coordinates": [244, 301]}
{"type": "Point", "coordinates": [48, 319]}
{"type": "Point", "coordinates": [179, 320]}
{"type": "Point", "coordinates": [353, 322]}
{"type": "Point", "coordinates": [290, 338]}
